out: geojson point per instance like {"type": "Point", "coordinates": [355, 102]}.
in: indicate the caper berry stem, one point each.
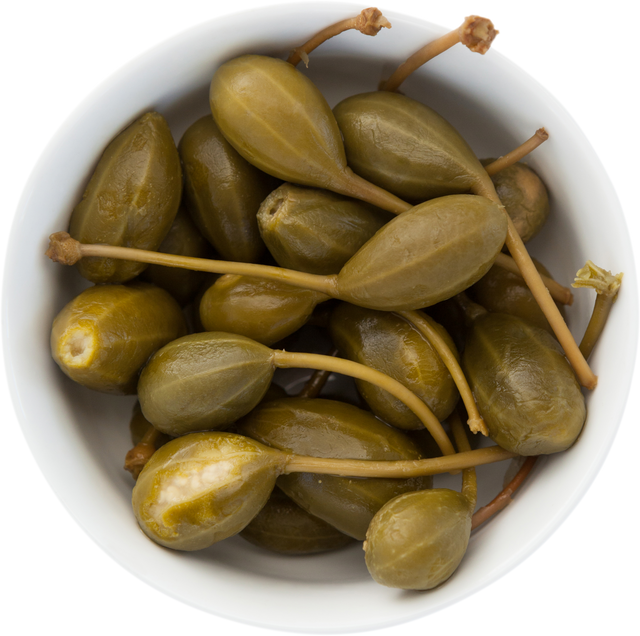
{"type": "Point", "coordinates": [354, 186]}
{"type": "Point", "coordinates": [475, 33]}
{"type": "Point", "coordinates": [469, 480]}
{"type": "Point", "coordinates": [425, 325]}
{"type": "Point", "coordinates": [284, 359]}
{"type": "Point", "coordinates": [517, 154]}
{"type": "Point", "coordinates": [399, 469]}
{"type": "Point", "coordinates": [316, 382]}
{"type": "Point", "coordinates": [534, 282]}
{"type": "Point", "coordinates": [368, 21]}
{"type": "Point", "coordinates": [558, 292]}
{"type": "Point", "coordinates": [504, 498]}
{"type": "Point", "coordinates": [137, 457]}
{"type": "Point", "coordinates": [66, 250]}
{"type": "Point", "coordinates": [607, 287]}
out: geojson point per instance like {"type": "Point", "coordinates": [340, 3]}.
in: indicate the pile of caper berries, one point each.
{"type": "Point", "coordinates": [372, 235]}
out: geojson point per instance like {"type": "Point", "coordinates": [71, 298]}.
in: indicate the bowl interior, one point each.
{"type": "Point", "coordinates": [79, 437]}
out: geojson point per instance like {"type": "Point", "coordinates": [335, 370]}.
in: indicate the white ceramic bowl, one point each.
{"type": "Point", "coordinates": [79, 437]}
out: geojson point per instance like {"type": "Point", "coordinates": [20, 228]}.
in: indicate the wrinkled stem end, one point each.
{"type": "Point", "coordinates": [603, 281]}
{"type": "Point", "coordinates": [477, 425]}
{"type": "Point", "coordinates": [477, 34]}
{"type": "Point", "coordinates": [542, 134]}
{"type": "Point", "coordinates": [370, 21]}
{"type": "Point", "coordinates": [606, 286]}
{"type": "Point", "coordinates": [63, 249]}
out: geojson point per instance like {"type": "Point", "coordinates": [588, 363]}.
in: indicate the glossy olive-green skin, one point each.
{"type": "Point", "coordinates": [525, 197]}
{"type": "Point", "coordinates": [202, 488]}
{"type": "Point", "coordinates": [405, 147]}
{"type": "Point", "coordinates": [388, 343]}
{"type": "Point", "coordinates": [223, 192]}
{"type": "Point", "coordinates": [327, 428]}
{"type": "Point", "coordinates": [131, 199]}
{"type": "Point", "coordinates": [417, 540]}
{"type": "Point", "coordinates": [263, 310]}
{"type": "Point", "coordinates": [278, 120]}
{"type": "Point", "coordinates": [500, 291]}
{"type": "Point", "coordinates": [184, 239]}
{"type": "Point", "coordinates": [425, 255]}
{"type": "Point", "coordinates": [316, 231]}
{"type": "Point", "coordinates": [283, 527]}
{"type": "Point", "coordinates": [205, 381]}
{"type": "Point", "coordinates": [525, 388]}
{"type": "Point", "coordinates": [103, 336]}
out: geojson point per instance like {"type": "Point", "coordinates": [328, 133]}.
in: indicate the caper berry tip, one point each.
{"type": "Point", "coordinates": [370, 21]}
{"type": "Point", "coordinates": [477, 425]}
{"type": "Point", "coordinates": [603, 281]}
{"type": "Point", "coordinates": [477, 34]}
{"type": "Point", "coordinates": [63, 249]}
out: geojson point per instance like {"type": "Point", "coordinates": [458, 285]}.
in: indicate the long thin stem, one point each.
{"type": "Point", "coordinates": [607, 287]}
{"type": "Point", "coordinates": [284, 359]}
{"type": "Point", "coordinates": [426, 326]}
{"type": "Point", "coordinates": [469, 480]}
{"type": "Point", "coordinates": [368, 21]}
{"type": "Point", "coordinates": [400, 469]}
{"type": "Point", "coordinates": [137, 457]}
{"type": "Point", "coordinates": [316, 382]}
{"type": "Point", "coordinates": [475, 32]}
{"type": "Point", "coordinates": [66, 250]}
{"type": "Point", "coordinates": [504, 498]}
{"type": "Point", "coordinates": [517, 154]}
{"type": "Point", "coordinates": [354, 186]}
{"type": "Point", "coordinates": [531, 276]}
{"type": "Point", "coordinates": [558, 292]}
